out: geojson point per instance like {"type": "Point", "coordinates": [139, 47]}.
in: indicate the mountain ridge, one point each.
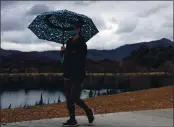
{"type": "Point", "coordinates": [93, 54]}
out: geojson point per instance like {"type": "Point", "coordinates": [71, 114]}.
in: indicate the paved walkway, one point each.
{"type": "Point", "coordinates": [149, 118]}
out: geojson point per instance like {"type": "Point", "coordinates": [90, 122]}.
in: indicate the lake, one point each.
{"type": "Point", "coordinates": [20, 98]}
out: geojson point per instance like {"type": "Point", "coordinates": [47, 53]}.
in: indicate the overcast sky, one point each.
{"type": "Point", "coordinates": [119, 22]}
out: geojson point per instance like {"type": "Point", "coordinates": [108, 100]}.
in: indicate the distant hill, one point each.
{"type": "Point", "coordinates": [95, 55]}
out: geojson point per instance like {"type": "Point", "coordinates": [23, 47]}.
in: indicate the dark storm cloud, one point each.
{"type": "Point", "coordinates": [147, 13]}
{"type": "Point", "coordinates": [37, 9]}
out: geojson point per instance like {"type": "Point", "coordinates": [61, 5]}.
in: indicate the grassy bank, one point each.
{"type": "Point", "coordinates": [157, 98]}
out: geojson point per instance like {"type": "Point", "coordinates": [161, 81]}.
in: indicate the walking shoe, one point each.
{"type": "Point", "coordinates": [70, 123]}
{"type": "Point", "coordinates": [90, 115]}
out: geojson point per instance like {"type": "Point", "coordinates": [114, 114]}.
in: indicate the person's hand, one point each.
{"type": "Point", "coordinates": [62, 51]}
{"type": "Point", "coordinates": [62, 48]}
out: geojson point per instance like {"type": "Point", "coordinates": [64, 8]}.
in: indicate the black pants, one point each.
{"type": "Point", "coordinates": [73, 88]}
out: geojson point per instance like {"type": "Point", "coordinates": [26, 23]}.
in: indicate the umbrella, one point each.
{"type": "Point", "coordinates": [56, 26]}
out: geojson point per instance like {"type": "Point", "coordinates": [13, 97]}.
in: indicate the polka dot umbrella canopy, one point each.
{"type": "Point", "coordinates": [56, 26]}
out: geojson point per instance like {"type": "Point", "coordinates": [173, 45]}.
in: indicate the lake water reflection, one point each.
{"type": "Point", "coordinates": [20, 98]}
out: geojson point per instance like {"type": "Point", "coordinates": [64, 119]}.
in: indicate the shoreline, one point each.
{"type": "Point", "coordinates": [149, 99]}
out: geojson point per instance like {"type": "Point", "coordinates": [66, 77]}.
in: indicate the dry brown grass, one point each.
{"type": "Point", "coordinates": [158, 98]}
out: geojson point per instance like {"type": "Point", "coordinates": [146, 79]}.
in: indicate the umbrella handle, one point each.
{"type": "Point", "coordinates": [62, 59]}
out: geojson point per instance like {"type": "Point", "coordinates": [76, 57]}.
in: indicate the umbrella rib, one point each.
{"type": "Point", "coordinates": [51, 25]}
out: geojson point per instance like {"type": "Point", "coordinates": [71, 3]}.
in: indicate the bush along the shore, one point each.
{"type": "Point", "coordinates": [48, 101]}
{"type": "Point", "coordinates": [59, 101]}
{"type": "Point", "coordinates": [41, 100]}
{"type": "Point", "coordinates": [9, 107]}
{"type": "Point", "coordinates": [123, 82]}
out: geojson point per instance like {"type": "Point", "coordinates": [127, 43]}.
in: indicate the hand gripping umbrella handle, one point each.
{"type": "Point", "coordinates": [62, 59]}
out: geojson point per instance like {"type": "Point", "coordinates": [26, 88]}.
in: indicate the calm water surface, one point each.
{"type": "Point", "coordinates": [20, 98]}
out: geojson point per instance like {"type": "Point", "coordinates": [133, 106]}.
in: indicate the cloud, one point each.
{"type": "Point", "coordinates": [16, 37]}
{"type": "Point", "coordinates": [118, 22]}
{"type": "Point", "coordinates": [145, 31]}
{"type": "Point", "coordinates": [84, 3]}
{"type": "Point", "coordinates": [13, 19]}
{"type": "Point", "coordinates": [114, 20]}
{"type": "Point", "coordinates": [21, 37]}
{"type": "Point", "coordinates": [152, 11]}
{"type": "Point", "coordinates": [127, 26]}
{"type": "Point", "coordinates": [167, 25]}
{"type": "Point", "coordinates": [37, 9]}
{"type": "Point", "coordinates": [30, 47]}
{"type": "Point", "coordinates": [7, 4]}
{"type": "Point", "coordinates": [99, 22]}
{"type": "Point", "coordinates": [10, 25]}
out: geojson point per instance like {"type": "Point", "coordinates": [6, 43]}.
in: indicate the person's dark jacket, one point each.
{"type": "Point", "coordinates": [74, 64]}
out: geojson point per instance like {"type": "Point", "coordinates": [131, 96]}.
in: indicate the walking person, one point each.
{"type": "Point", "coordinates": [74, 72]}
{"type": "Point", "coordinates": [53, 26]}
